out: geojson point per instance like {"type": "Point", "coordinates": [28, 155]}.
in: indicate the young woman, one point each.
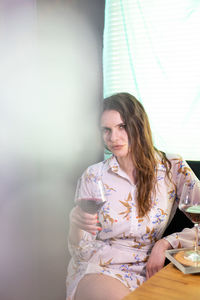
{"type": "Point", "coordinates": [142, 186]}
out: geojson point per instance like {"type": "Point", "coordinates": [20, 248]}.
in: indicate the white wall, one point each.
{"type": "Point", "coordinates": [51, 82]}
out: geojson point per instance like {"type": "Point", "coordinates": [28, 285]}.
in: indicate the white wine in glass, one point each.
{"type": "Point", "coordinates": [190, 205]}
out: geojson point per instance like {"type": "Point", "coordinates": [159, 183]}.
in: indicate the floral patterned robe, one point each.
{"type": "Point", "coordinates": [122, 248]}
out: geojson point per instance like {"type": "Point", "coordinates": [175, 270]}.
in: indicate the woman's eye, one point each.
{"type": "Point", "coordinates": [105, 130]}
{"type": "Point", "coordinates": [122, 126]}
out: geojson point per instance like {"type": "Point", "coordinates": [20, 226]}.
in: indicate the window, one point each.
{"type": "Point", "coordinates": [151, 50]}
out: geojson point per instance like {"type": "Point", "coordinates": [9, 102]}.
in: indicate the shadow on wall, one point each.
{"type": "Point", "coordinates": [49, 97]}
{"type": "Point", "coordinates": [32, 228]}
{"type": "Point", "coordinates": [34, 207]}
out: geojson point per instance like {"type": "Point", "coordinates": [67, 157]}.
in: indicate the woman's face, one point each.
{"type": "Point", "coordinates": [114, 133]}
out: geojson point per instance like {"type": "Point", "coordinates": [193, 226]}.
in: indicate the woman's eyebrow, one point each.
{"type": "Point", "coordinates": [119, 124]}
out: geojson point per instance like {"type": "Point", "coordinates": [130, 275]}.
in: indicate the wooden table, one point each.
{"type": "Point", "coordinates": [168, 284]}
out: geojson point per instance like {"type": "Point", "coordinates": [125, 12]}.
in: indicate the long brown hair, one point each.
{"type": "Point", "coordinates": [142, 149]}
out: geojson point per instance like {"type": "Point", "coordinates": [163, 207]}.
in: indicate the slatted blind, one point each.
{"type": "Point", "coordinates": [151, 49]}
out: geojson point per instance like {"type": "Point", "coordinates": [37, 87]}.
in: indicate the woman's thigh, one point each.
{"type": "Point", "coordinates": [100, 287]}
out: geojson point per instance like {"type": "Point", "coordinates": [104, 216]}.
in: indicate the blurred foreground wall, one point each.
{"type": "Point", "coordinates": [51, 84]}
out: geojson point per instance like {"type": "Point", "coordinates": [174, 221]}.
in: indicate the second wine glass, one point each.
{"type": "Point", "coordinates": [190, 205]}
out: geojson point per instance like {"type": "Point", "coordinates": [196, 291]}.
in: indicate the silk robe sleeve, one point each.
{"type": "Point", "coordinates": [182, 173]}
{"type": "Point", "coordinates": [86, 248]}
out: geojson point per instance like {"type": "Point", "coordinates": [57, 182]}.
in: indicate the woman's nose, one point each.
{"type": "Point", "coordinates": [113, 136]}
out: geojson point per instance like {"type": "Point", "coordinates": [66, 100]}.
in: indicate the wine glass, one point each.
{"type": "Point", "coordinates": [190, 205]}
{"type": "Point", "coordinates": [90, 203]}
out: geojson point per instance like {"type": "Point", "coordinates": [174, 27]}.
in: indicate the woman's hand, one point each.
{"type": "Point", "coordinates": [82, 220]}
{"type": "Point", "coordinates": [157, 258]}
{"type": "Point", "coordinates": [79, 221]}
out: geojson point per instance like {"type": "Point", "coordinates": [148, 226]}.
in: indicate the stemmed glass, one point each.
{"type": "Point", "coordinates": [190, 205]}
{"type": "Point", "coordinates": [92, 203]}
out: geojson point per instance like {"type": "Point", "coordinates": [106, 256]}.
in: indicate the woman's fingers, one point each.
{"type": "Point", "coordinates": [83, 217]}
{"type": "Point", "coordinates": [84, 220]}
{"type": "Point", "coordinates": [157, 257]}
{"type": "Point", "coordinates": [87, 218]}
{"type": "Point", "coordinates": [84, 223]}
{"type": "Point", "coordinates": [152, 270]}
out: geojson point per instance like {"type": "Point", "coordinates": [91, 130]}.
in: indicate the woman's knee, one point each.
{"type": "Point", "coordinates": [100, 287]}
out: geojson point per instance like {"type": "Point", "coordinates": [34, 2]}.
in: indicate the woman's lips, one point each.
{"type": "Point", "coordinates": [117, 147]}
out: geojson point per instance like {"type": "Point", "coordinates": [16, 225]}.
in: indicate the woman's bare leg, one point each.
{"type": "Point", "coordinates": [100, 287]}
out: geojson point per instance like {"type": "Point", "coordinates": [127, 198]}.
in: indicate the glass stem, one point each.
{"type": "Point", "coordinates": [196, 239]}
